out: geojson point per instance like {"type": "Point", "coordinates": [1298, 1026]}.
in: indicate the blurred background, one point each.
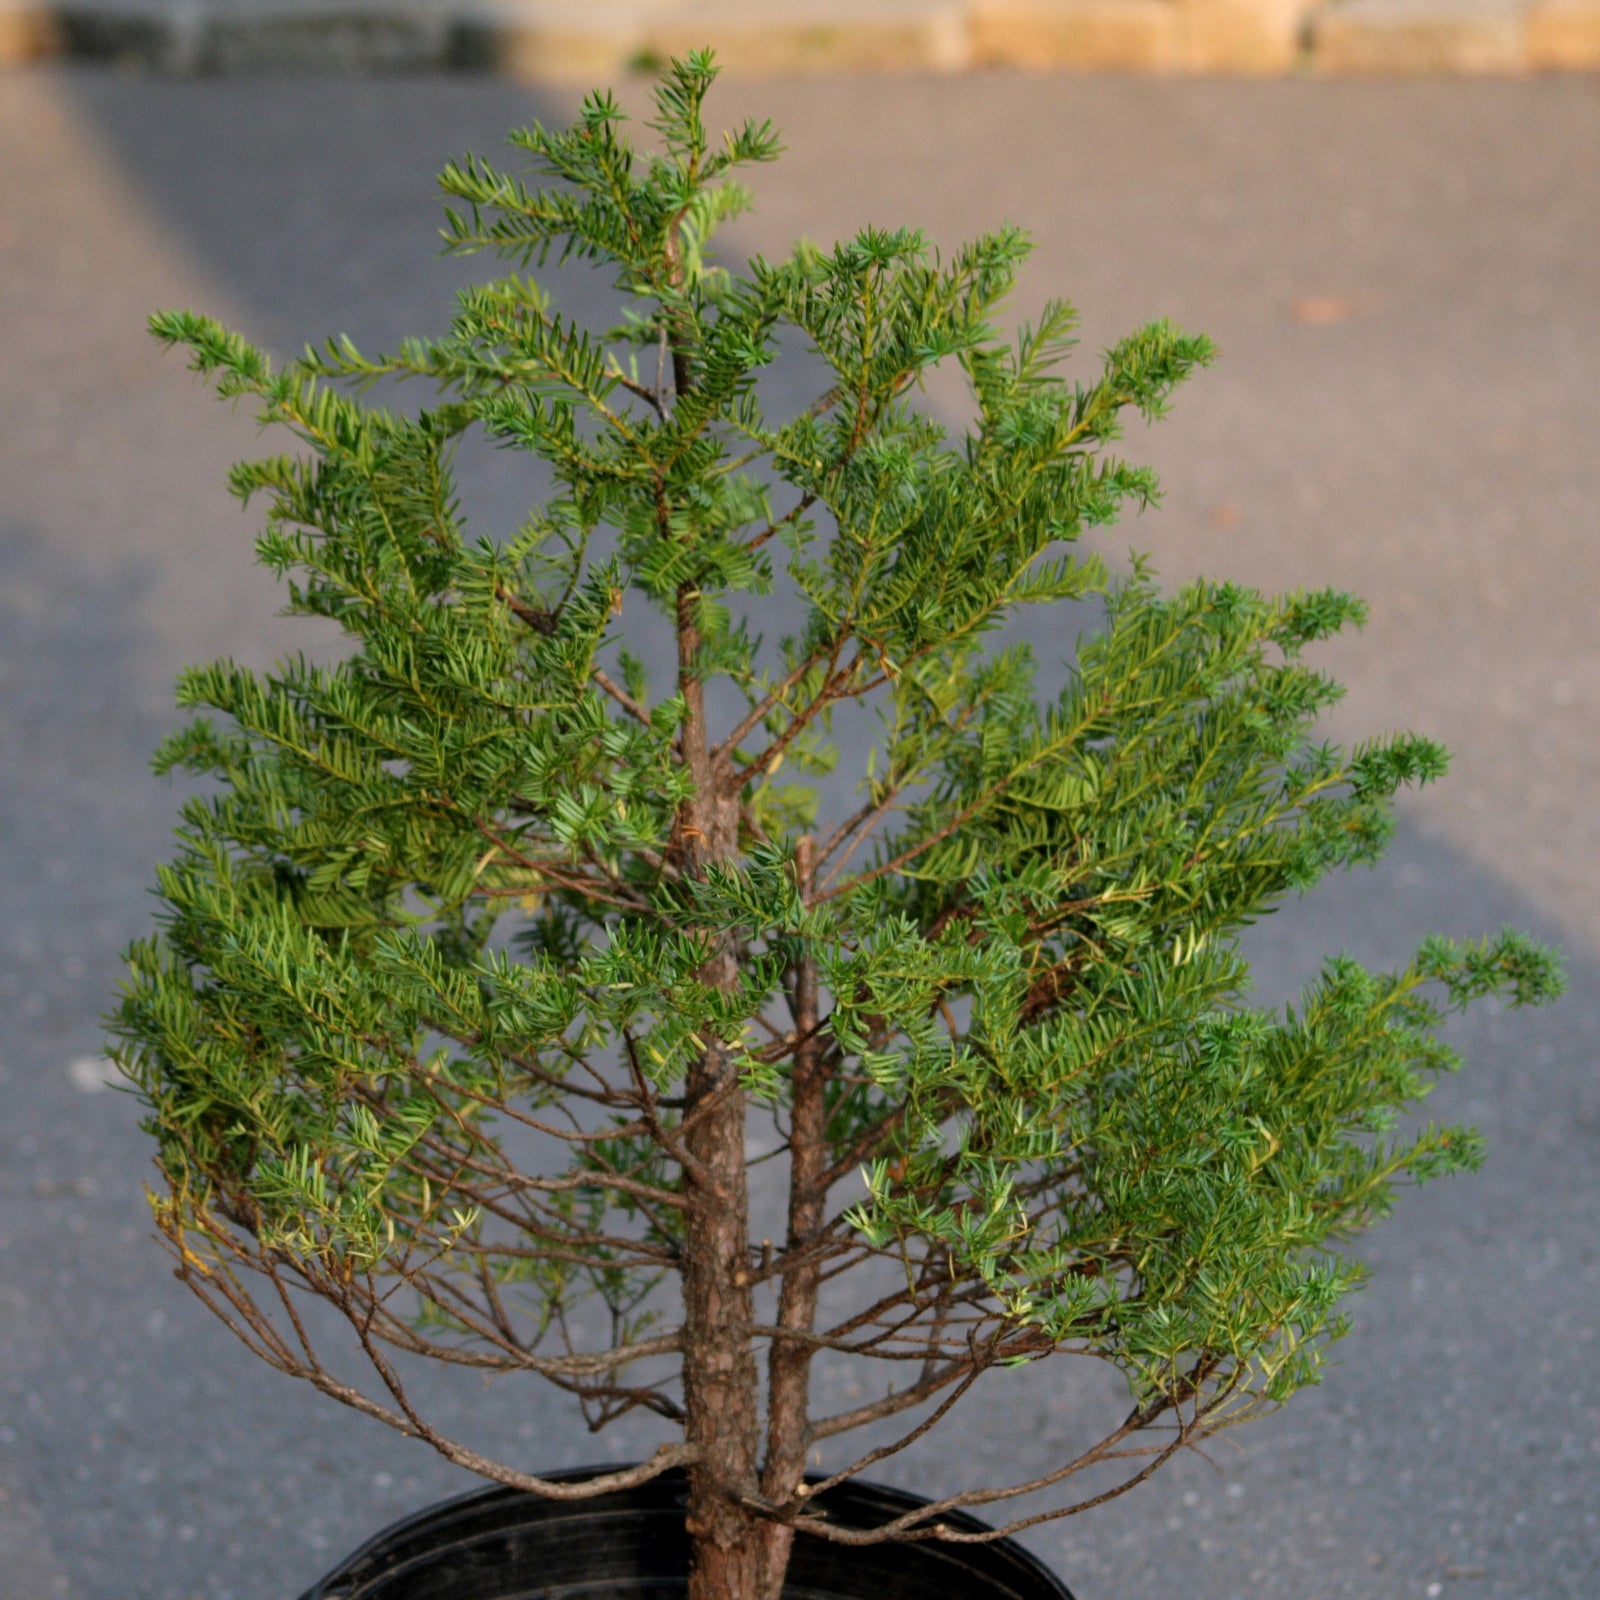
{"type": "Point", "coordinates": [1403, 275]}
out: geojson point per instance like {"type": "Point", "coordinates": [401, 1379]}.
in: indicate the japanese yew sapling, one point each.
{"type": "Point", "coordinates": [480, 947]}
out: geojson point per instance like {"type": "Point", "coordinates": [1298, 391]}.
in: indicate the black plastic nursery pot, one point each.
{"type": "Point", "coordinates": [502, 1544]}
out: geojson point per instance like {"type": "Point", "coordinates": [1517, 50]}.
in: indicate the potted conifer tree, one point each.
{"type": "Point", "coordinates": [482, 947]}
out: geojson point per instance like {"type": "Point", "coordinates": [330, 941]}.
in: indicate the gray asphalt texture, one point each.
{"type": "Point", "coordinates": [1405, 283]}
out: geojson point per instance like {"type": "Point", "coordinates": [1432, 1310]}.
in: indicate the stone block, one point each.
{"type": "Point", "coordinates": [148, 35]}
{"type": "Point", "coordinates": [798, 36]}
{"type": "Point", "coordinates": [28, 32]}
{"type": "Point", "coordinates": [1420, 37]}
{"type": "Point", "coordinates": [1242, 36]}
{"type": "Point", "coordinates": [1564, 36]}
{"type": "Point", "coordinates": [324, 35]}
{"type": "Point", "coordinates": [1081, 35]}
{"type": "Point", "coordinates": [550, 41]}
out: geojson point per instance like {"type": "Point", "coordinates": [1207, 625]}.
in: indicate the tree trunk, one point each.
{"type": "Point", "coordinates": [719, 1368]}
{"type": "Point", "coordinates": [789, 1362]}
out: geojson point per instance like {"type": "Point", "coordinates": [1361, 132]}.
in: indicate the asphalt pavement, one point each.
{"type": "Point", "coordinates": [1404, 279]}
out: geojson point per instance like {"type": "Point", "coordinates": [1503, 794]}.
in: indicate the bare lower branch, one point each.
{"type": "Point", "coordinates": [921, 1523]}
{"type": "Point", "coordinates": [511, 1181]}
{"type": "Point", "coordinates": [503, 1107]}
{"type": "Point", "coordinates": [408, 1421]}
{"type": "Point", "coordinates": [608, 1095]}
{"type": "Point", "coordinates": [905, 1531]}
{"type": "Point", "coordinates": [788, 519]}
{"type": "Point", "coordinates": [651, 396]}
{"type": "Point", "coordinates": [670, 1140]}
{"type": "Point", "coordinates": [963, 1372]}
{"type": "Point", "coordinates": [759, 712]}
{"type": "Point", "coordinates": [554, 874]}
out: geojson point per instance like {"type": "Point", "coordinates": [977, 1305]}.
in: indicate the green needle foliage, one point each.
{"type": "Point", "coordinates": [475, 954]}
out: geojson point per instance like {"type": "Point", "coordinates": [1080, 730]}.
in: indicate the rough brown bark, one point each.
{"type": "Point", "coordinates": [789, 1361]}
{"type": "Point", "coordinates": [719, 1367]}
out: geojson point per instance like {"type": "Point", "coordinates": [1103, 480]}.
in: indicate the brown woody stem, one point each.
{"type": "Point", "coordinates": [789, 1360]}
{"type": "Point", "coordinates": [719, 1367]}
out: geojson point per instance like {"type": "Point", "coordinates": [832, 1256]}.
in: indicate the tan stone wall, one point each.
{"type": "Point", "coordinates": [590, 40]}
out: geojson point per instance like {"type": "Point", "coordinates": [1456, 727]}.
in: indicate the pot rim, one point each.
{"type": "Point", "coordinates": [673, 1481]}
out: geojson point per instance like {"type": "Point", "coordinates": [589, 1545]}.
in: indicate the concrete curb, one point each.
{"type": "Point", "coordinates": [563, 41]}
